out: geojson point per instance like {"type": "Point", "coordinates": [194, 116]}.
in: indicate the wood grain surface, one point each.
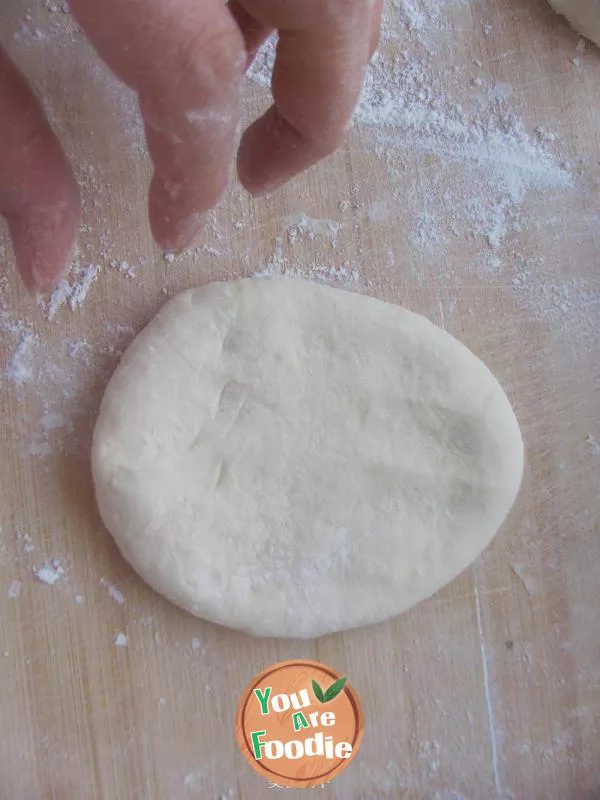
{"type": "Point", "coordinates": [490, 689]}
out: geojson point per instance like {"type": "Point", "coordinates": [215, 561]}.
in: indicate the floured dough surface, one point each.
{"type": "Point", "coordinates": [583, 16]}
{"type": "Point", "coordinates": [291, 459]}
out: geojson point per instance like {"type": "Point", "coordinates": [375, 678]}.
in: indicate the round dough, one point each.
{"type": "Point", "coordinates": [292, 460]}
{"type": "Point", "coordinates": [583, 16]}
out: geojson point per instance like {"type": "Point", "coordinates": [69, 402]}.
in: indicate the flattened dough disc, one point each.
{"type": "Point", "coordinates": [583, 16]}
{"type": "Point", "coordinates": [291, 459]}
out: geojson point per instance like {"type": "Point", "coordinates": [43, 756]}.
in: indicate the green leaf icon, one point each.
{"type": "Point", "coordinates": [334, 690]}
{"type": "Point", "coordinates": [331, 693]}
{"type": "Point", "coordinates": [318, 692]}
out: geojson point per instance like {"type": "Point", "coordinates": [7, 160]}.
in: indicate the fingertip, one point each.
{"type": "Point", "coordinates": [176, 237]}
{"type": "Point", "coordinates": [39, 195]}
{"type": "Point", "coordinates": [272, 152]}
{"type": "Point", "coordinates": [375, 27]}
{"type": "Point", "coordinates": [44, 240]}
{"type": "Point", "coordinates": [174, 230]}
{"type": "Point", "coordinates": [250, 181]}
{"type": "Point", "coordinates": [258, 167]}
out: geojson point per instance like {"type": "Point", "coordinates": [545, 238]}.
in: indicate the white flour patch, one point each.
{"type": "Point", "coordinates": [344, 275]}
{"type": "Point", "coordinates": [120, 640]}
{"type": "Point", "coordinates": [190, 780]}
{"type": "Point", "coordinates": [208, 250]}
{"type": "Point", "coordinates": [53, 420]}
{"type": "Point", "coordinates": [14, 590]}
{"type": "Point", "coordinates": [18, 366]}
{"type": "Point", "coordinates": [425, 20]}
{"type": "Point", "coordinates": [19, 369]}
{"type": "Point", "coordinates": [122, 266]}
{"type": "Point", "coordinates": [456, 156]}
{"type": "Point", "coordinates": [113, 591]}
{"type": "Point", "coordinates": [571, 307]}
{"type": "Point", "coordinates": [55, 372]}
{"type": "Point", "coordinates": [56, 7]}
{"type": "Point", "coordinates": [300, 226]}
{"type": "Point", "coordinates": [594, 444]}
{"type": "Point", "coordinates": [38, 447]}
{"type": "Point", "coordinates": [462, 168]}
{"type": "Point", "coordinates": [73, 291]}
{"type": "Point", "coordinates": [50, 573]}
{"type": "Point", "coordinates": [487, 157]}
{"type": "Point", "coordinates": [378, 211]}
{"type": "Point", "coordinates": [25, 542]}
{"type": "Point", "coordinates": [261, 70]}
{"type": "Point", "coordinates": [524, 574]}
{"type": "Point", "coordinates": [279, 264]}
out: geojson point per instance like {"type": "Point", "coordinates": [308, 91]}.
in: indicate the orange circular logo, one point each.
{"type": "Point", "coordinates": [299, 724]}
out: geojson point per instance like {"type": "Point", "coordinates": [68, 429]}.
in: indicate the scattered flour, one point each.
{"type": "Point", "coordinates": [280, 264]}
{"type": "Point", "coordinates": [120, 640]}
{"type": "Point", "coordinates": [462, 167]}
{"type": "Point", "coordinates": [415, 125]}
{"type": "Point", "coordinates": [49, 573]}
{"type": "Point", "coordinates": [113, 591]}
{"type": "Point", "coordinates": [55, 372]}
{"type": "Point", "coordinates": [208, 250]}
{"type": "Point", "coordinates": [528, 580]}
{"type": "Point", "coordinates": [14, 590]}
{"type": "Point", "coordinates": [490, 160]}
{"type": "Point", "coordinates": [53, 420]}
{"type": "Point", "coordinates": [73, 291]}
{"type": "Point", "coordinates": [426, 20]}
{"type": "Point", "coordinates": [19, 369]}
{"type": "Point", "coordinates": [189, 781]}
{"type": "Point", "coordinates": [56, 7]}
{"type": "Point", "coordinates": [25, 542]}
{"type": "Point", "coordinates": [261, 70]}
{"type": "Point", "coordinates": [594, 444]}
{"type": "Point", "coordinates": [39, 448]}
{"type": "Point", "coordinates": [122, 266]}
{"type": "Point", "coordinates": [300, 226]}
{"type": "Point", "coordinates": [570, 306]}
{"type": "Point", "coordinates": [344, 275]}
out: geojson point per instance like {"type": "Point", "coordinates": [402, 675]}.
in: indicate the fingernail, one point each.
{"type": "Point", "coordinates": [190, 235]}
{"type": "Point", "coordinates": [184, 235]}
{"type": "Point", "coordinates": [40, 285]}
{"type": "Point", "coordinates": [37, 296]}
{"type": "Point", "coordinates": [33, 290]}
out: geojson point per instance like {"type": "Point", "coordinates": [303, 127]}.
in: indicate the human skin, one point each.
{"type": "Point", "coordinates": [185, 59]}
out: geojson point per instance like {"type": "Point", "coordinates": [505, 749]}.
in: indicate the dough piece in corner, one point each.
{"type": "Point", "coordinates": [290, 459]}
{"type": "Point", "coordinates": [583, 16]}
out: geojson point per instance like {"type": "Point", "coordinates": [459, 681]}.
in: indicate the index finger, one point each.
{"type": "Point", "coordinates": [185, 59]}
{"type": "Point", "coordinates": [321, 58]}
{"type": "Point", "coordinates": [38, 193]}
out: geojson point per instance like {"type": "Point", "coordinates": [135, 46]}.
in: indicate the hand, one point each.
{"type": "Point", "coordinates": [185, 59]}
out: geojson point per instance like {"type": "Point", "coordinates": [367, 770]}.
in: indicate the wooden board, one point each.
{"type": "Point", "coordinates": [490, 689]}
